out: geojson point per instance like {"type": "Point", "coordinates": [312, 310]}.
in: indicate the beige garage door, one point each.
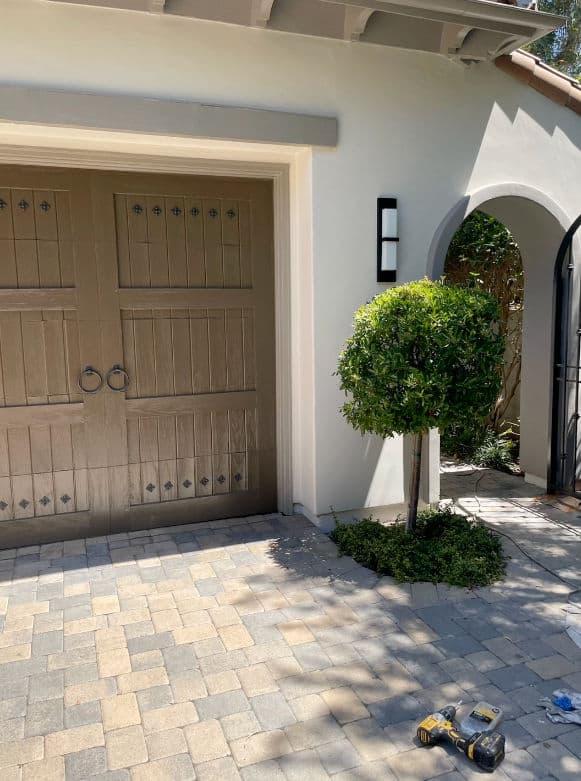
{"type": "Point", "coordinates": [137, 351]}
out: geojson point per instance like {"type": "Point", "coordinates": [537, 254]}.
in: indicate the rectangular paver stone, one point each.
{"type": "Point", "coordinates": [514, 677]}
{"type": "Point", "coordinates": [120, 711]}
{"type": "Point", "coordinates": [206, 741]}
{"type": "Point", "coordinates": [272, 711]}
{"type": "Point", "coordinates": [554, 666]}
{"type": "Point", "coordinates": [74, 739]}
{"type": "Point", "coordinates": [88, 692]}
{"type": "Point", "coordinates": [52, 769]}
{"type": "Point", "coordinates": [144, 679]}
{"type": "Point", "coordinates": [170, 717]}
{"type": "Point", "coordinates": [419, 764]}
{"type": "Point", "coordinates": [167, 769]}
{"type": "Point", "coordinates": [85, 763]}
{"type": "Point", "coordinates": [345, 705]}
{"type": "Point", "coordinates": [219, 705]}
{"type": "Point", "coordinates": [313, 733]}
{"type": "Point", "coordinates": [125, 747]}
{"type": "Point", "coordinates": [44, 717]}
{"type": "Point", "coordinates": [20, 752]}
{"type": "Point", "coordinates": [166, 743]}
{"type": "Point", "coordinates": [369, 739]}
{"type": "Point", "coordinates": [79, 715]}
{"type": "Point", "coordinates": [260, 747]}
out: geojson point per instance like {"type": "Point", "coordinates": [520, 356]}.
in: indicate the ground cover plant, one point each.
{"type": "Point", "coordinates": [445, 548]}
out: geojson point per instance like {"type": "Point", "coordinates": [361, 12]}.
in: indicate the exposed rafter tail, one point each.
{"type": "Point", "coordinates": [156, 6]}
{"type": "Point", "coordinates": [260, 12]}
{"type": "Point", "coordinates": [453, 36]}
{"type": "Point", "coordinates": [356, 19]}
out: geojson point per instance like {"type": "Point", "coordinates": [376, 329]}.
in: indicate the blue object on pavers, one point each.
{"type": "Point", "coordinates": [563, 702]}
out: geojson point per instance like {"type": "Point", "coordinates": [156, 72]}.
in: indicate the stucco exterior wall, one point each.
{"type": "Point", "coordinates": [414, 126]}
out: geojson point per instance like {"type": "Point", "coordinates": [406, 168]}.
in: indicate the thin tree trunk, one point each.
{"type": "Point", "coordinates": [415, 482]}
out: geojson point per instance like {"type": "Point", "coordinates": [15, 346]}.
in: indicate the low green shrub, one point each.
{"type": "Point", "coordinates": [445, 548]}
{"type": "Point", "coordinates": [495, 452]}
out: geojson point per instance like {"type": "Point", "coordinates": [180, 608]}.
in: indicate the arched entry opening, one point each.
{"type": "Point", "coordinates": [484, 254]}
{"type": "Point", "coordinates": [538, 227]}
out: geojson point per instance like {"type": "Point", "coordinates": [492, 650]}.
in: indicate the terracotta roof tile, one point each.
{"type": "Point", "coordinates": [554, 85]}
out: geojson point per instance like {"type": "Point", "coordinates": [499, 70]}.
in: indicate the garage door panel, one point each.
{"type": "Point", "coordinates": [168, 480]}
{"type": "Point", "coordinates": [61, 439]}
{"type": "Point", "coordinates": [39, 354]}
{"type": "Point", "coordinates": [42, 472]}
{"type": "Point", "coordinates": [181, 242]}
{"type": "Point", "coordinates": [6, 509]}
{"type": "Point", "coordinates": [64, 492]}
{"type": "Point", "coordinates": [180, 353]}
{"type": "Point", "coordinates": [35, 228]}
{"type": "Point", "coordinates": [221, 465]}
{"type": "Point", "coordinates": [186, 478]}
{"type": "Point", "coordinates": [170, 278]}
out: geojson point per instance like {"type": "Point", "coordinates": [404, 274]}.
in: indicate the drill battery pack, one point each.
{"type": "Point", "coordinates": [486, 750]}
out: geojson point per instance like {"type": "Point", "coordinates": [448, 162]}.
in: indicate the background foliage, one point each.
{"type": "Point", "coordinates": [562, 49]}
{"type": "Point", "coordinates": [483, 254]}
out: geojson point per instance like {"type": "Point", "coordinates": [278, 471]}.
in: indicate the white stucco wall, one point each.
{"type": "Point", "coordinates": [411, 125]}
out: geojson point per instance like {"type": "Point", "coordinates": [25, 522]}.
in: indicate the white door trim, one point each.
{"type": "Point", "coordinates": [279, 174]}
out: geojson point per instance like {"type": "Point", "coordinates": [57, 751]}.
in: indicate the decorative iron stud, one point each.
{"type": "Point", "coordinates": [213, 213]}
{"type": "Point", "coordinates": [24, 503]}
{"type": "Point", "coordinates": [44, 501]}
{"type": "Point", "coordinates": [176, 211]}
{"type": "Point", "coordinates": [168, 485]}
{"type": "Point", "coordinates": [65, 498]}
{"type": "Point", "coordinates": [3, 505]}
{"type": "Point", "coordinates": [157, 210]}
{"type": "Point", "coordinates": [221, 479]}
{"type": "Point", "coordinates": [45, 206]}
{"type": "Point", "coordinates": [150, 487]}
{"type": "Point", "coordinates": [137, 208]}
{"type": "Point", "coordinates": [187, 483]}
{"type": "Point", "coordinates": [195, 211]}
{"type": "Point", "coordinates": [231, 213]}
{"type": "Point", "coordinates": [23, 205]}
{"type": "Point", "coordinates": [238, 477]}
{"type": "Point", "coordinates": [204, 481]}
{"type": "Point", "coordinates": [3, 204]}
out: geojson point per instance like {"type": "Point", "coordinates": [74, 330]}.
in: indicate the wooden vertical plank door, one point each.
{"type": "Point", "coordinates": [47, 295]}
{"type": "Point", "coordinates": [193, 286]}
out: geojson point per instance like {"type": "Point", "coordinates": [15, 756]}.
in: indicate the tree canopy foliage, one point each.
{"type": "Point", "coordinates": [562, 48]}
{"type": "Point", "coordinates": [422, 356]}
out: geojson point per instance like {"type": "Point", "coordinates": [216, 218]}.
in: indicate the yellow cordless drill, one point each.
{"type": "Point", "coordinates": [486, 749]}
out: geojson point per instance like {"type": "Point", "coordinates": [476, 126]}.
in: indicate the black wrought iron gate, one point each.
{"type": "Point", "coordinates": [566, 438]}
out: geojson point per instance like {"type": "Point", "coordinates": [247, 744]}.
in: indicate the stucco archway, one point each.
{"type": "Point", "coordinates": [538, 226]}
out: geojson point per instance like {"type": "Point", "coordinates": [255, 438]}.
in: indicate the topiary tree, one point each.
{"type": "Point", "coordinates": [422, 356]}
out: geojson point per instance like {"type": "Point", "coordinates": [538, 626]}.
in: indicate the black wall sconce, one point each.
{"type": "Point", "coordinates": [387, 239]}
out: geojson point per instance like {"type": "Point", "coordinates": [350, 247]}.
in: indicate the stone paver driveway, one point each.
{"type": "Point", "coordinates": [248, 649]}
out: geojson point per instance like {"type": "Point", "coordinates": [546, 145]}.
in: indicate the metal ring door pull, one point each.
{"type": "Point", "coordinates": [115, 371]}
{"type": "Point", "coordinates": [87, 372]}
